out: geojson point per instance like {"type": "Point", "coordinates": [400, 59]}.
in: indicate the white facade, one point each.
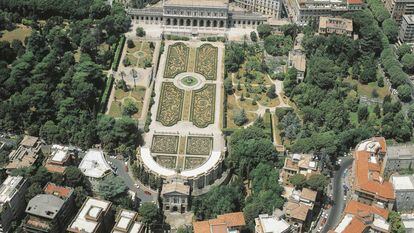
{"type": "Point", "coordinates": [12, 204]}
{"type": "Point", "coordinates": [94, 164]}
{"type": "Point", "coordinates": [267, 7]}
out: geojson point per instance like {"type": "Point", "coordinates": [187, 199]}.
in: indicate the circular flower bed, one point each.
{"type": "Point", "coordinates": [189, 81]}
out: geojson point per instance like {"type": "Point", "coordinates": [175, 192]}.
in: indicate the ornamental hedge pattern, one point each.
{"type": "Point", "coordinates": [165, 144]}
{"type": "Point", "coordinates": [203, 106]}
{"type": "Point", "coordinates": [206, 61]}
{"type": "Point", "coordinates": [177, 60]}
{"type": "Point", "coordinates": [199, 145]}
{"type": "Point", "coordinates": [170, 104]}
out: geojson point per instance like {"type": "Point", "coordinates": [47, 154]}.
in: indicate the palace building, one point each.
{"type": "Point", "coordinates": [196, 17]}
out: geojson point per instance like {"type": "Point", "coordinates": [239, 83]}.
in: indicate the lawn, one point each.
{"type": "Point", "coordinates": [231, 106]}
{"type": "Point", "coordinates": [135, 95]}
{"type": "Point", "coordinates": [20, 33]}
{"type": "Point", "coordinates": [367, 89]}
{"type": "Point", "coordinates": [140, 53]}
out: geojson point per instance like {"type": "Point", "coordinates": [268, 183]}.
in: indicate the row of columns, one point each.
{"type": "Point", "coordinates": [196, 22]}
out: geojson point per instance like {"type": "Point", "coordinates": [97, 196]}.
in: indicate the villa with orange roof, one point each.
{"type": "Point", "coordinates": [369, 186]}
{"type": "Point", "coordinates": [225, 223]}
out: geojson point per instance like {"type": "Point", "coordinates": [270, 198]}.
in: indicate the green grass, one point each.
{"type": "Point", "coordinates": [367, 89]}
{"type": "Point", "coordinates": [189, 81]}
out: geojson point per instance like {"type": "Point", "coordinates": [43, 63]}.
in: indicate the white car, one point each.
{"type": "Point", "coordinates": [136, 185]}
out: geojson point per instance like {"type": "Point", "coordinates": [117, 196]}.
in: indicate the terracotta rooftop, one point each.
{"type": "Point", "coordinates": [220, 224]}
{"type": "Point", "coordinates": [62, 192]}
{"type": "Point", "coordinates": [296, 210]}
{"type": "Point", "coordinates": [359, 209]}
{"type": "Point", "coordinates": [308, 194]}
{"type": "Point", "coordinates": [368, 168]}
{"type": "Point", "coordinates": [355, 226]}
{"type": "Point", "coordinates": [55, 168]}
{"type": "Point", "coordinates": [355, 2]}
{"type": "Point", "coordinates": [29, 141]}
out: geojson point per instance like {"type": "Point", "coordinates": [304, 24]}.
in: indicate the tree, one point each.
{"type": "Point", "coordinates": [219, 200]}
{"type": "Point", "coordinates": [129, 108]}
{"type": "Point", "coordinates": [228, 86]}
{"type": "Point", "coordinates": [264, 30]}
{"type": "Point", "coordinates": [140, 32]}
{"type": "Point", "coordinates": [111, 187]}
{"type": "Point", "coordinates": [74, 177]}
{"type": "Point", "coordinates": [404, 92]}
{"type": "Point", "coordinates": [149, 214]}
{"type": "Point", "coordinates": [253, 36]}
{"type": "Point", "coordinates": [278, 45]}
{"type": "Point", "coordinates": [317, 182]}
{"type": "Point", "coordinates": [403, 49]}
{"type": "Point", "coordinates": [390, 29]}
{"type": "Point", "coordinates": [363, 113]}
{"type": "Point", "coordinates": [33, 190]}
{"type": "Point", "coordinates": [249, 147]}
{"type": "Point", "coordinates": [377, 111]}
{"type": "Point", "coordinates": [130, 44]}
{"type": "Point", "coordinates": [394, 218]}
{"type": "Point", "coordinates": [408, 62]}
{"type": "Point", "coordinates": [239, 117]}
{"type": "Point", "coordinates": [234, 57]}
{"type": "Point", "coordinates": [271, 92]}
{"type": "Point", "coordinates": [297, 180]}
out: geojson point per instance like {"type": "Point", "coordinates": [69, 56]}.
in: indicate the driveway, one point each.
{"type": "Point", "coordinates": [120, 165]}
{"type": "Point", "coordinates": [338, 195]}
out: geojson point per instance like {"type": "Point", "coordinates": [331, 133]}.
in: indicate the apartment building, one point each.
{"type": "Point", "coordinates": [369, 187]}
{"type": "Point", "coordinates": [51, 211]}
{"type": "Point", "coordinates": [338, 25]}
{"type": "Point", "coordinates": [26, 154]}
{"type": "Point", "coordinates": [126, 222]}
{"type": "Point", "coordinates": [95, 216]}
{"type": "Point", "coordinates": [399, 157]}
{"type": "Point", "coordinates": [59, 158]}
{"type": "Point", "coordinates": [398, 8]}
{"type": "Point", "coordinates": [298, 164]}
{"type": "Point", "coordinates": [359, 217]}
{"type": "Point", "coordinates": [271, 8]}
{"type": "Point", "coordinates": [12, 202]}
{"type": "Point", "coordinates": [231, 222]}
{"type": "Point", "coordinates": [304, 11]}
{"type": "Point", "coordinates": [404, 192]}
{"type": "Point", "coordinates": [94, 165]}
{"type": "Point", "coordinates": [271, 224]}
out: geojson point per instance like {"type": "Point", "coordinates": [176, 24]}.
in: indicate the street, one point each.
{"type": "Point", "coordinates": [120, 165]}
{"type": "Point", "coordinates": [337, 195]}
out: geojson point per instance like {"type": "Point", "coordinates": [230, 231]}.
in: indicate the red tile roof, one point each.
{"type": "Point", "coordinates": [220, 224]}
{"type": "Point", "coordinates": [60, 191]}
{"type": "Point", "coordinates": [355, 226]}
{"type": "Point", "coordinates": [368, 177]}
{"type": "Point", "coordinates": [361, 210]}
{"type": "Point", "coordinates": [355, 2]}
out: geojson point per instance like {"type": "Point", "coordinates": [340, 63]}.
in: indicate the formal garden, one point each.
{"type": "Point", "coordinates": [170, 104]}
{"type": "Point", "coordinates": [167, 161]}
{"type": "Point", "coordinates": [199, 145]}
{"type": "Point", "coordinates": [177, 59]}
{"type": "Point", "coordinates": [203, 106]}
{"type": "Point", "coordinates": [193, 162]}
{"type": "Point", "coordinates": [165, 144]}
{"type": "Point", "coordinates": [139, 53]}
{"type": "Point", "coordinates": [128, 102]}
{"type": "Point", "coordinates": [206, 61]}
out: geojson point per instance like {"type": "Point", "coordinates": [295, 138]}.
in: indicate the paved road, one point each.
{"type": "Point", "coordinates": [120, 165]}
{"type": "Point", "coordinates": [338, 195]}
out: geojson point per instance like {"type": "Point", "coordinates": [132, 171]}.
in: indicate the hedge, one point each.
{"type": "Point", "coordinates": [118, 53]}
{"type": "Point", "coordinates": [175, 37]}
{"type": "Point", "coordinates": [267, 120]}
{"type": "Point", "coordinates": [105, 95]}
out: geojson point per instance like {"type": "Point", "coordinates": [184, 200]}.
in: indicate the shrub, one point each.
{"type": "Point", "coordinates": [140, 32]}
{"type": "Point", "coordinates": [118, 52]}
{"type": "Point", "coordinates": [130, 43]}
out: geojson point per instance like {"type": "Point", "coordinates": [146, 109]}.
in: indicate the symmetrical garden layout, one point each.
{"type": "Point", "coordinates": [166, 150]}
{"type": "Point", "coordinates": [206, 61]}
{"type": "Point", "coordinates": [185, 134]}
{"type": "Point", "coordinates": [170, 104]}
{"type": "Point", "coordinates": [202, 106]}
{"type": "Point", "coordinates": [177, 60]}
